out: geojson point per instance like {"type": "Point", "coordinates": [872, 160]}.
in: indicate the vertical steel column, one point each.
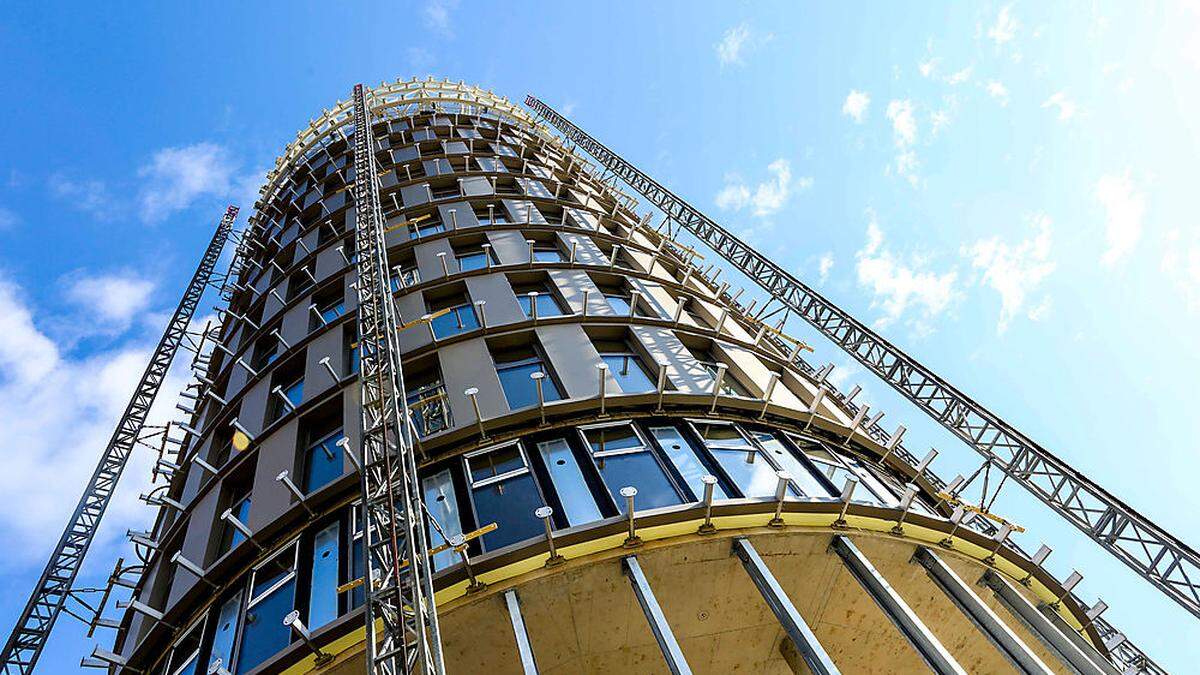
{"type": "Point", "coordinates": [1085, 662]}
{"type": "Point", "coordinates": [797, 629]}
{"type": "Point", "coordinates": [654, 616]}
{"type": "Point", "coordinates": [524, 648]}
{"type": "Point", "coordinates": [918, 634]}
{"type": "Point", "coordinates": [398, 596]}
{"type": "Point", "coordinates": [980, 614]}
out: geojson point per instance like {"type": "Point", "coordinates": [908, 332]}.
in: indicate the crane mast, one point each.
{"type": "Point", "coordinates": [1157, 556]}
{"type": "Point", "coordinates": [399, 586]}
{"type": "Point", "coordinates": [35, 622]}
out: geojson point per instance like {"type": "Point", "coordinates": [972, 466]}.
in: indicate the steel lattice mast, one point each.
{"type": "Point", "coordinates": [399, 597]}
{"type": "Point", "coordinates": [33, 627]}
{"type": "Point", "coordinates": [1160, 558]}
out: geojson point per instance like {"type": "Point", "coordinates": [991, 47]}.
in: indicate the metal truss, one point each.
{"type": "Point", "coordinates": [33, 627]}
{"type": "Point", "coordinates": [1160, 558]}
{"type": "Point", "coordinates": [399, 596]}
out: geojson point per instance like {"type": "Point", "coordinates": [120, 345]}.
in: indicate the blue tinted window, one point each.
{"type": "Point", "coordinates": [226, 631]}
{"type": "Point", "coordinates": [459, 319]}
{"type": "Point", "coordinates": [547, 254]}
{"type": "Point", "coordinates": [547, 304]}
{"type": "Point", "coordinates": [801, 474]}
{"type": "Point", "coordinates": [323, 598]}
{"type": "Point", "coordinates": [443, 506]}
{"type": "Point", "coordinates": [504, 492]}
{"type": "Point", "coordinates": [323, 463]}
{"type": "Point", "coordinates": [572, 490]}
{"type": "Point", "coordinates": [686, 460]}
{"type": "Point", "coordinates": [747, 466]}
{"type": "Point", "coordinates": [294, 392]}
{"type": "Point", "coordinates": [519, 388]}
{"type": "Point", "coordinates": [332, 311]}
{"type": "Point", "coordinates": [623, 459]}
{"type": "Point", "coordinates": [629, 373]}
{"type": "Point", "coordinates": [472, 261]}
{"type": "Point", "coordinates": [619, 304]}
{"type": "Point", "coordinates": [272, 597]}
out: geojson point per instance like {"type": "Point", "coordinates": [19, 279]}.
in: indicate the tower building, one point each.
{"type": "Point", "coordinates": [626, 468]}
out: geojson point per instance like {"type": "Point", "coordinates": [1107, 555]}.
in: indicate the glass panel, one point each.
{"type": "Point", "coordinates": [578, 504]}
{"type": "Point", "coordinates": [459, 319]}
{"type": "Point", "coordinates": [323, 598]}
{"type": "Point", "coordinates": [510, 504]}
{"type": "Point", "coordinates": [547, 305]}
{"type": "Point", "coordinates": [519, 388]}
{"type": "Point", "coordinates": [619, 304]}
{"type": "Point", "coordinates": [472, 261]}
{"type": "Point", "coordinates": [226, 630]}
{"type": "Point", "coordinates": [616, 438]}
{"type": "Point", "coordinates": [264, 633]}
{"type": "Point", "coordinates": [749, 469]}
{"type": "Point", "coordinates": [442, 505]}
{"type": "Point", "coordinates": [186, 652]}
{"type": "Point", "coordinates": [497, 462]}
{"type": "Point", "coordinates": [640, 470]}
{"type": "Point", "coordinates": [333, 311]}
{"type": "Point", "coordinates": [294, 392]}
{"type": "Point", "coordinates": [323, 463]}
{"type": "Point", "coordinates": [232, 535]}
{"type": "Point", "coordinates": [686, 460]}
{"type": "Point", "coordinates": [801, 474]}
{"type": "Point", "coordinates": [547, 255]}
{"type": "Point", "coordinates": [627, 369]}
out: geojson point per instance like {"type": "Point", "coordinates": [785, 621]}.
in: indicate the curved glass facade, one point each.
{"type": "Point", "coordinates": [519, 275]}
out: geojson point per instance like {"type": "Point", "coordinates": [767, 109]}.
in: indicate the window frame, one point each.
{"type": "Point", "coordinates": [525, 468]}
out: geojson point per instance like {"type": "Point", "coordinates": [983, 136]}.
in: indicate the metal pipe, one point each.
{"type": "Point", "coordinates": [667, 644]}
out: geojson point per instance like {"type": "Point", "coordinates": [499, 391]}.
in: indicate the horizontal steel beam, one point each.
{"type": "Point", "coordinates": [1083, 661]}
{"type": "Point", "coordinates": [667, 643]}
{"type": "Point", "coordinates": [524, 648]}
{"type": "Point", "coordinates": [922, 639]}
{"type": "Point", "coordinates": [794, 625]}
{"type": "Point", "coordinates": [980, 614]}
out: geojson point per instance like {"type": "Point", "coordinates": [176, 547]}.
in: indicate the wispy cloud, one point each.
{"type": "Point", "coordinates": [1124, 208]}
{"type": "Point", "coordinates": [767, 197]}
{"type": "Point", "coordinates": [903, 286]}
{"type": "Point", "coordinates": [1181, 264]}
{"type": "Point", "coordinates": [1005, 27]}
{"type": "Point", "coordinates": [1016, 271]}
{"type": "Point", "coordinates": [89, 195]}
{"type": "Point", "coordinates": [110, 300]}
{"type": "Point", "coordinates": [176, 177]}
{"type": "Point", "coordinates": [739, 41]}
{"type": "Point", "coordinates": [998, 91]}
{"type": "Point", "coordinates": [959, 76]}
{"type": "Point", "coordinates": [824, 267]}
{"type": "Point", "coordinates": [436, 15]}
{"type": "Point", "coordinates": [856, 105]}
{"type": "Point", "coordinates": [904, 124]}
{"type": "Point", "coordinates": [1065, 106]}
{"type": "Point", "coordinates": [8, 218]}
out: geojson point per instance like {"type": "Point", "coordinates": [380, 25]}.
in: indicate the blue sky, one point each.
{"type": "Point", "coordinates": [1006, 190]}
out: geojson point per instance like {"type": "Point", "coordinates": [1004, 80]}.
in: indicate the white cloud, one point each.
{"type": "Point", "coordinates": [1015, 271]}
{"type": "Point", "coordinates": [176, 177]}
{"type": "Point", "coordinates": [824, 266]}
{"type": "Point", "coordinates": [1181, 263]}
{"type": "Point", "coordinates": [58, 411]}
{"type": "Point", "coordinates": [768, 197]}
{"type": "Point", "coordinates": [88, 195]}
{"type": "Point", "coordinates": [928, 66]}
{"type": "Point", "coordinates": [900, 286]}
{"type": "Point", "coordinates": [1005, 28]}
{"type": "Point", "coordinates": [1124, 208]}
{"type": "Point", "coordinates": [112, 300]}
{"type": "Point", "coordinates": [739, 41]}
{"type": "Point", "coordinates": [1066, 107]}
{"type": "Point", "coordinates": [856, 104]}
{"type": "Point", "coordinates": [959, 77]}
{"type": "Point", "coordinates": [904, 124]}
{"type": "Point", "coordinates": [437, 16]}
{"type": "Point", "coordinates": [998, 91]}
{"type": "Point", "coordinates": [8, 218]}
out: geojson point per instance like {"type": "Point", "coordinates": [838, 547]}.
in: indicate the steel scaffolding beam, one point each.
{"type": "Point", "coordinates": [1157, 556]}
{"type": "Point", "coordinates": [399, 597]}
{"type": "Point", "coordinates": [33, 626]}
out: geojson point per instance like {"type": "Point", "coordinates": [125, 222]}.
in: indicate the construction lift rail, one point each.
{"type": "Point", "coordinates": [33, 626]}
{"type": "Point", "coordinates": [1156, 555]}
{"type": "Point", "coordinates": [399, 596]}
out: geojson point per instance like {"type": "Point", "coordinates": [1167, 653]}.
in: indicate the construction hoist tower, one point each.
{"type": "Point", "coordinates": [468, 410]}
